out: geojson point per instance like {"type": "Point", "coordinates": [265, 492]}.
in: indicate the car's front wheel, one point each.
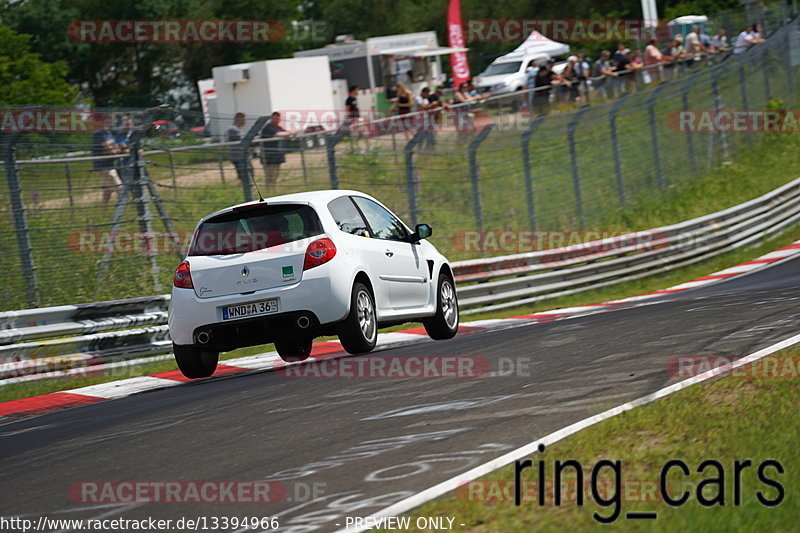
{"type": "Point", "coordinates": [444, 324]}
{"type": "Point", "coordinates": [294, 349]}
{"type": "Point", "coordinates": [359, 331]}
{"type": "Point", "coordinates": [194, 362]}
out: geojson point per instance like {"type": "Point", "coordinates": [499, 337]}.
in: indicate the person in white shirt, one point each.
{"type": "Point", "coordinates": [746, 39]}
{"type": "Point", "coordinates": [693, 42]}
{"type": "Point", "coordinates": [720, 41]}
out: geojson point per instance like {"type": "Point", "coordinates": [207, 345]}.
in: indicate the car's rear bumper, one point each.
{"type": "Point", "coordinates": [315, 296]}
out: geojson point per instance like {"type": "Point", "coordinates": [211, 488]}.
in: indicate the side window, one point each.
{"type": "Point", "coordinates": [347, 217]}
{"type": "Point", "coordinates": [384, 224]}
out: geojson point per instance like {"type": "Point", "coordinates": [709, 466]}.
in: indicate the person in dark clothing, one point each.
{"type": "Point", "coordinates": [272, 153]}
{"type": "Point", "coordinates": [543, 82]}
{"type": "Point", "coordinates": [104, 144]}
{"type": "Point", "coordinates": [235, 134]}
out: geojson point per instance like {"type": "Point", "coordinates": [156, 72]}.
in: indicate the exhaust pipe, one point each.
{"type": "Point", "coordinates": [203, 337]}
{"type": "Point", "coordinates": [303, 322]}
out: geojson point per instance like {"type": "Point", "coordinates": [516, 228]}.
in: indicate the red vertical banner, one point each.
{"type": "Point", "coordinates": [455, 36]}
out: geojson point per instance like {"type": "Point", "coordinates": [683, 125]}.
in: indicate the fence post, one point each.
{"type": "Point", "coordinates": [330, 146]}
{"type": "Point", "coordinates": [573, 156]}
{"type": "Point", "coordinates": [723, 140]}
{"type": "Point", "coordinates": [221, 168]}
{"type": "Point", "coordinates": [8, 148]}
{"type": "Point", "coordinates": [140, 198]}
{"type": "Point", "coordinates": [172, 172]}
{"type": "Point", "coordinates": [766, 70]}
{"type": "Point", "coordinates": [243, 165]}
{"type": "Point", "coordinates": [612, 123]}
{"type": "Point", "coordinates": [526, 167]}
{"type": "Point", "coordinates": [685, 104]}
{"type": "Point", "coordinates": [791, 40]}
{"type": "Point", "coordinates": [473, 173]}
{"type": "Point", "coordinates": [651, 116]}
{"type": "Point", "coordinates": [410, 186]}
{"type": "Point", "coordinates": [743, 90]}
{"type": "Point", "coordinates": [69, 184]}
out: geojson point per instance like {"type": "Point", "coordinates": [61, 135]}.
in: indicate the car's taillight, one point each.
{"type": "Point", "coordinates": [319, 252]}
{"type": "Point", "coordinates": [183, 278]}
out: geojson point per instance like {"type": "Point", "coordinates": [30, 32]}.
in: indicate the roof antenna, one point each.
{"type": "Point", "coordinates": [252, 173]}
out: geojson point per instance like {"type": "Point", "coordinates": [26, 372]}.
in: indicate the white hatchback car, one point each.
{"type": "Point", "coordinates": [294, 267]}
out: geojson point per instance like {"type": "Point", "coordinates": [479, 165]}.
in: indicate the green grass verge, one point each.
{"type": "Point", "coordinates": [728, 419]}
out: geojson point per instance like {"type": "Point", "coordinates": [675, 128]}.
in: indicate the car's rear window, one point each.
{"type": "Point", "coordinates": [255, 228]}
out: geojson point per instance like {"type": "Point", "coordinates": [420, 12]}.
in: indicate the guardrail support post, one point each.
{"type": "Point", "coordinates": [651, 115]}
{"type": "Point", "coordinates": [526, 167]}
{"type": "Point", "coordinates": [8, 148]}
{"type": "Point", "coordinates": [413, 209]}
{"type": "Point", "coordinates": [573, 156]}
{"type": "Point", "coordinates": [612, 123]}
{"type": "Point", "coordinates": [473, 173]}
{"type": "Point", "coordinates": [685, 104]}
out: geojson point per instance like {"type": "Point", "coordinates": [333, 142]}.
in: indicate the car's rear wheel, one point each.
{"type": "Point", "coordinates": [294, 349]}
{"type": "Point", "coordinates": [444, 324]}
{"type": "Point", "coordinates": [359, 331]}
{"type": "Point", "coordinates": [194, 362]}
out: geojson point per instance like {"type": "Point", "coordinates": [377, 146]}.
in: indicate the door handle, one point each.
{"type": "Point", "coordinates": [389, 253]}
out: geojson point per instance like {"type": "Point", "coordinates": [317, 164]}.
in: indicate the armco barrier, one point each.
{"type": "Point", "coordinates": [56, 338]}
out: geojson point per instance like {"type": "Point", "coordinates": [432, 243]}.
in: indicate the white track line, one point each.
{"type": "Point", "coordinates": [486, 468]}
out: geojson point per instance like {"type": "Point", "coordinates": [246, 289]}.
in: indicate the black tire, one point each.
{"type": "Point", "coordinates": [194, 362]}
{"type": "Point", "coordinates": [358, 332]}
{"type": "Point", "coordinates": [444, 324]}
{"type": "Point", "coordinates": [294, 349]}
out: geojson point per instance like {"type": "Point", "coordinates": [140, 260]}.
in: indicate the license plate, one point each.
{"type": "Point", "coordinates": [263, 307]}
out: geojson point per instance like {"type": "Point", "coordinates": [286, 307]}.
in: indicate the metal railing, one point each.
{"type": "Point", "coordinates": [50, 339]}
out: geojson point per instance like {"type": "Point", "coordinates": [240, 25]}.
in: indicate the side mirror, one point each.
{"type": "Point", "coordinates": [421, 231]}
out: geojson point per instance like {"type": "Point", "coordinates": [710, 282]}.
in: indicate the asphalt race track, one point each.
{"type": "Point", "coordinates": [364, 443]}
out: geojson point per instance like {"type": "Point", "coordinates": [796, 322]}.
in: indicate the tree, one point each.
{"type": "Point", "coordinates": [26, 79]}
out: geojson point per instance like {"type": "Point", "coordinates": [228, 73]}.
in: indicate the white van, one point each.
{"type": "Point", "coordinates": [507, 73]}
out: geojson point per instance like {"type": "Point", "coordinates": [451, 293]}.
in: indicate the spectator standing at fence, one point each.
{"type": "Point", "coordinates": [672, 54]}
{"type": "Point", "coordinates": [352, 118]}
{"type": "Point", "coordinates": [694, 43]}
{"type": "Point", "coordinates": [720, 41]}
{"type": "Point", "coordinates": [105, 144]}
{"type": "Point", "coordinates": [570, 89]}
{"type": "Point", "coordinates": [402, 105]}
{"type": "Point", "coordinates": [582, 73]}
{"type": "Point", "coordinates": [427, 118]}
{"type": "Point", "coordinates": [601, 70]}
{"type": "Point", "coordinates": [272, 152]}
{"type": "Point", "coordinates": [652, 59]}
{"type": "Point", "coordinates": [545, 80]}
{"type": "Point", "coordinates": [620, 52]}
{"type": "Point", "coordinates": [404, 100]}
{"type": "Point", "coordinates": [235, 134]}
{"type": "Point", "coordinates": [123, 140]}
{"type": "Point", "coordinates": [352, 113]}
{"type": "Point", "coordinates": [746, 39]}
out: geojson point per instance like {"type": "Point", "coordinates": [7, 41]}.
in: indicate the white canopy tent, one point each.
{"type": "Point", "coordinates": [536, 43]}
